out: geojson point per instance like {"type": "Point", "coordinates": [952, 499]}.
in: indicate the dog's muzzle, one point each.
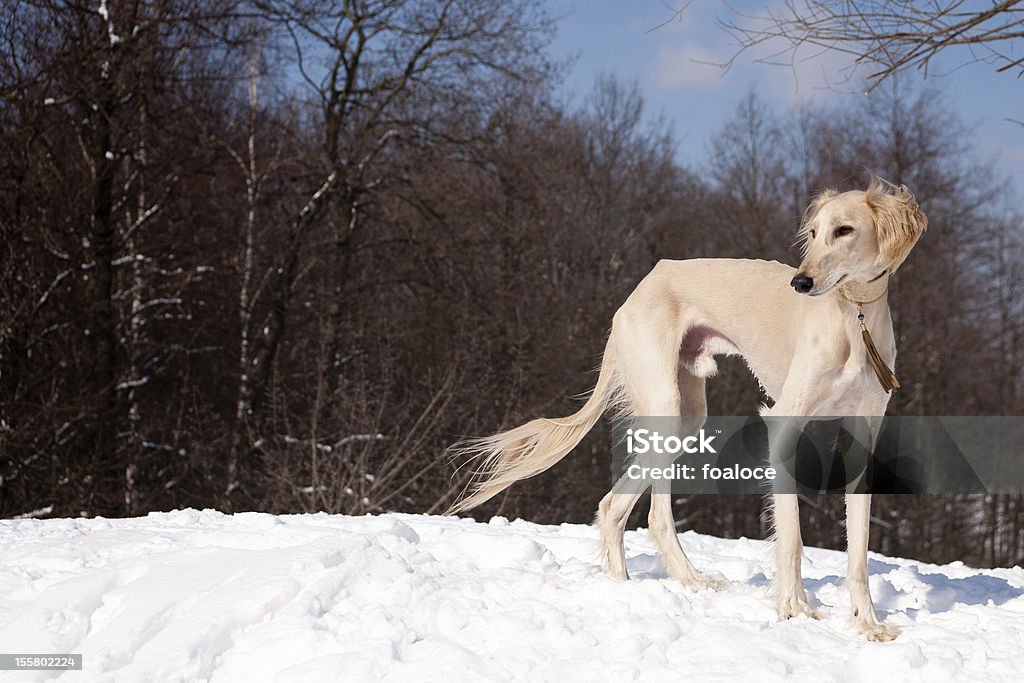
{"type": "Point", "coordinates": [802, 283]}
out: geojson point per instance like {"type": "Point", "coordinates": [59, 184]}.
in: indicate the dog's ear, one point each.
{"type": "Point", "coordinates": [899, 221]}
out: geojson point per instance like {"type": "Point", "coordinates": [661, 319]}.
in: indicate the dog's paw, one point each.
{"type": "Point", "coordinates": [617, 573]}
{"type": "Point", "coordinates": [704, 582]}
{"type": "Point", "coordinates": [616, 570]}
{"type": "Point", "coordinates": [795, 607]}
{"type": "Point", "coordinates": [614, 564]}
{"type": "Point", "coordinates": [877, 631]}
{"type": "Point", "coordinates": [712, 581]}
{"type": "Point", "coordinates": [713, 584]}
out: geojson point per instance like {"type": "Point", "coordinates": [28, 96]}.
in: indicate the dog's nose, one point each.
{"type": "Point", "coordinates": [802, 283]}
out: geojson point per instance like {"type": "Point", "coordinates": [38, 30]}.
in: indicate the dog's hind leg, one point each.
{"type": "Point", "coordinates": [661, 523]}
{"type": "Point", "coordinates": [663, 529]}
{"type": "Point", "coordinates": [647, 364]}
{"type": "Point", "coordinates": [612, 514]}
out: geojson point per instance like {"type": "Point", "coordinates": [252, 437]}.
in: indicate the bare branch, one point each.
{"type": "Point", "coordinates": [882, 36]}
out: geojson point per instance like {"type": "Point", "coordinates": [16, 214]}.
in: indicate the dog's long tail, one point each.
{"type": "Point", "coordinates": [534, 447]}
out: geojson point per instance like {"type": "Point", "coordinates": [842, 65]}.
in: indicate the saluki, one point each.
{"type": "Point", "coordinates": [802, 332]}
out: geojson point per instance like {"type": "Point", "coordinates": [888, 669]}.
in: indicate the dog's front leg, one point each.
{"type": "Point", "coordinates": [789, 583]}
{"type": "Point", "coordinates": [858, 517]}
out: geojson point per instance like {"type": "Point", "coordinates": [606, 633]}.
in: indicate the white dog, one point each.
{"type": "Point", "coordinates": [802, 333]}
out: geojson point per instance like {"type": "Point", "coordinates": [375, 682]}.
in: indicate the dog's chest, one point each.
{"type": "Point", "coordinates": [857, 389]}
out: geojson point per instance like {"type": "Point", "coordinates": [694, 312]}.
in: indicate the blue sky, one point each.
{"type": "Point", "coordinates": [620, 38]}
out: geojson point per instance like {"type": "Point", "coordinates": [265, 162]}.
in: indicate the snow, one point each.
{"type": "Point", "coordinates": [105, 15]}
{"type": "Point", "coordinates": [203, 596]}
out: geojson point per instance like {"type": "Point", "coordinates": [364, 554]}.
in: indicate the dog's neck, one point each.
{"type": "Point", "coordinates": [863, 293]}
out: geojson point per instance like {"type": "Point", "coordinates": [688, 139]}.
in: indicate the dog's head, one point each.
{"type": "Point", "coordinates": [856, 235]}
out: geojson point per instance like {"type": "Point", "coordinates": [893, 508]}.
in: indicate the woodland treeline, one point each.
{"type": "Point", "coordinates": [278, 255]}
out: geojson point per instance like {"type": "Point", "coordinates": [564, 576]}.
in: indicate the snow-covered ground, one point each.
{"type": "Point", "coordinates": [194, 596]}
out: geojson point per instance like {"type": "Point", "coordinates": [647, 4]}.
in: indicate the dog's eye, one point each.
{"type": "Point", "coordinates": [843, 231]}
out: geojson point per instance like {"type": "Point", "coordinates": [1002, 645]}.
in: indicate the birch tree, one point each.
{"type": "Point", "coordinates": [87, 84]}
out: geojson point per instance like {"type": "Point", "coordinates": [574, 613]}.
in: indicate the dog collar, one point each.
{"type": "Point", "coordinates": [864, 293]}
{"type": "Point", "coordinates": [861, 294]}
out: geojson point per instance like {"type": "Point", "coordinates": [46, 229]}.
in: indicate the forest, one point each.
{"type": "Point", "coordinates": [278, 255]}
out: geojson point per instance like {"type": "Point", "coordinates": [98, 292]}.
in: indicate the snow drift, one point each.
{"type": "Point", "coordinates": [202, 596]}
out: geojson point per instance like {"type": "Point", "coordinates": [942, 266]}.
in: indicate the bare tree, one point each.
{"type": "Point", "coordinates": [748, 164]}
{"type": "Point", "coordinates": [380, 75]}
{"type": "Point", "coordinates": [884, 36]}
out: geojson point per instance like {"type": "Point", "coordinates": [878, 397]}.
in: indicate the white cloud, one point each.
{"type": "Point", "coordinates": [688, 65]}
{"type": "Point", "coordinates": [691, 53]}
